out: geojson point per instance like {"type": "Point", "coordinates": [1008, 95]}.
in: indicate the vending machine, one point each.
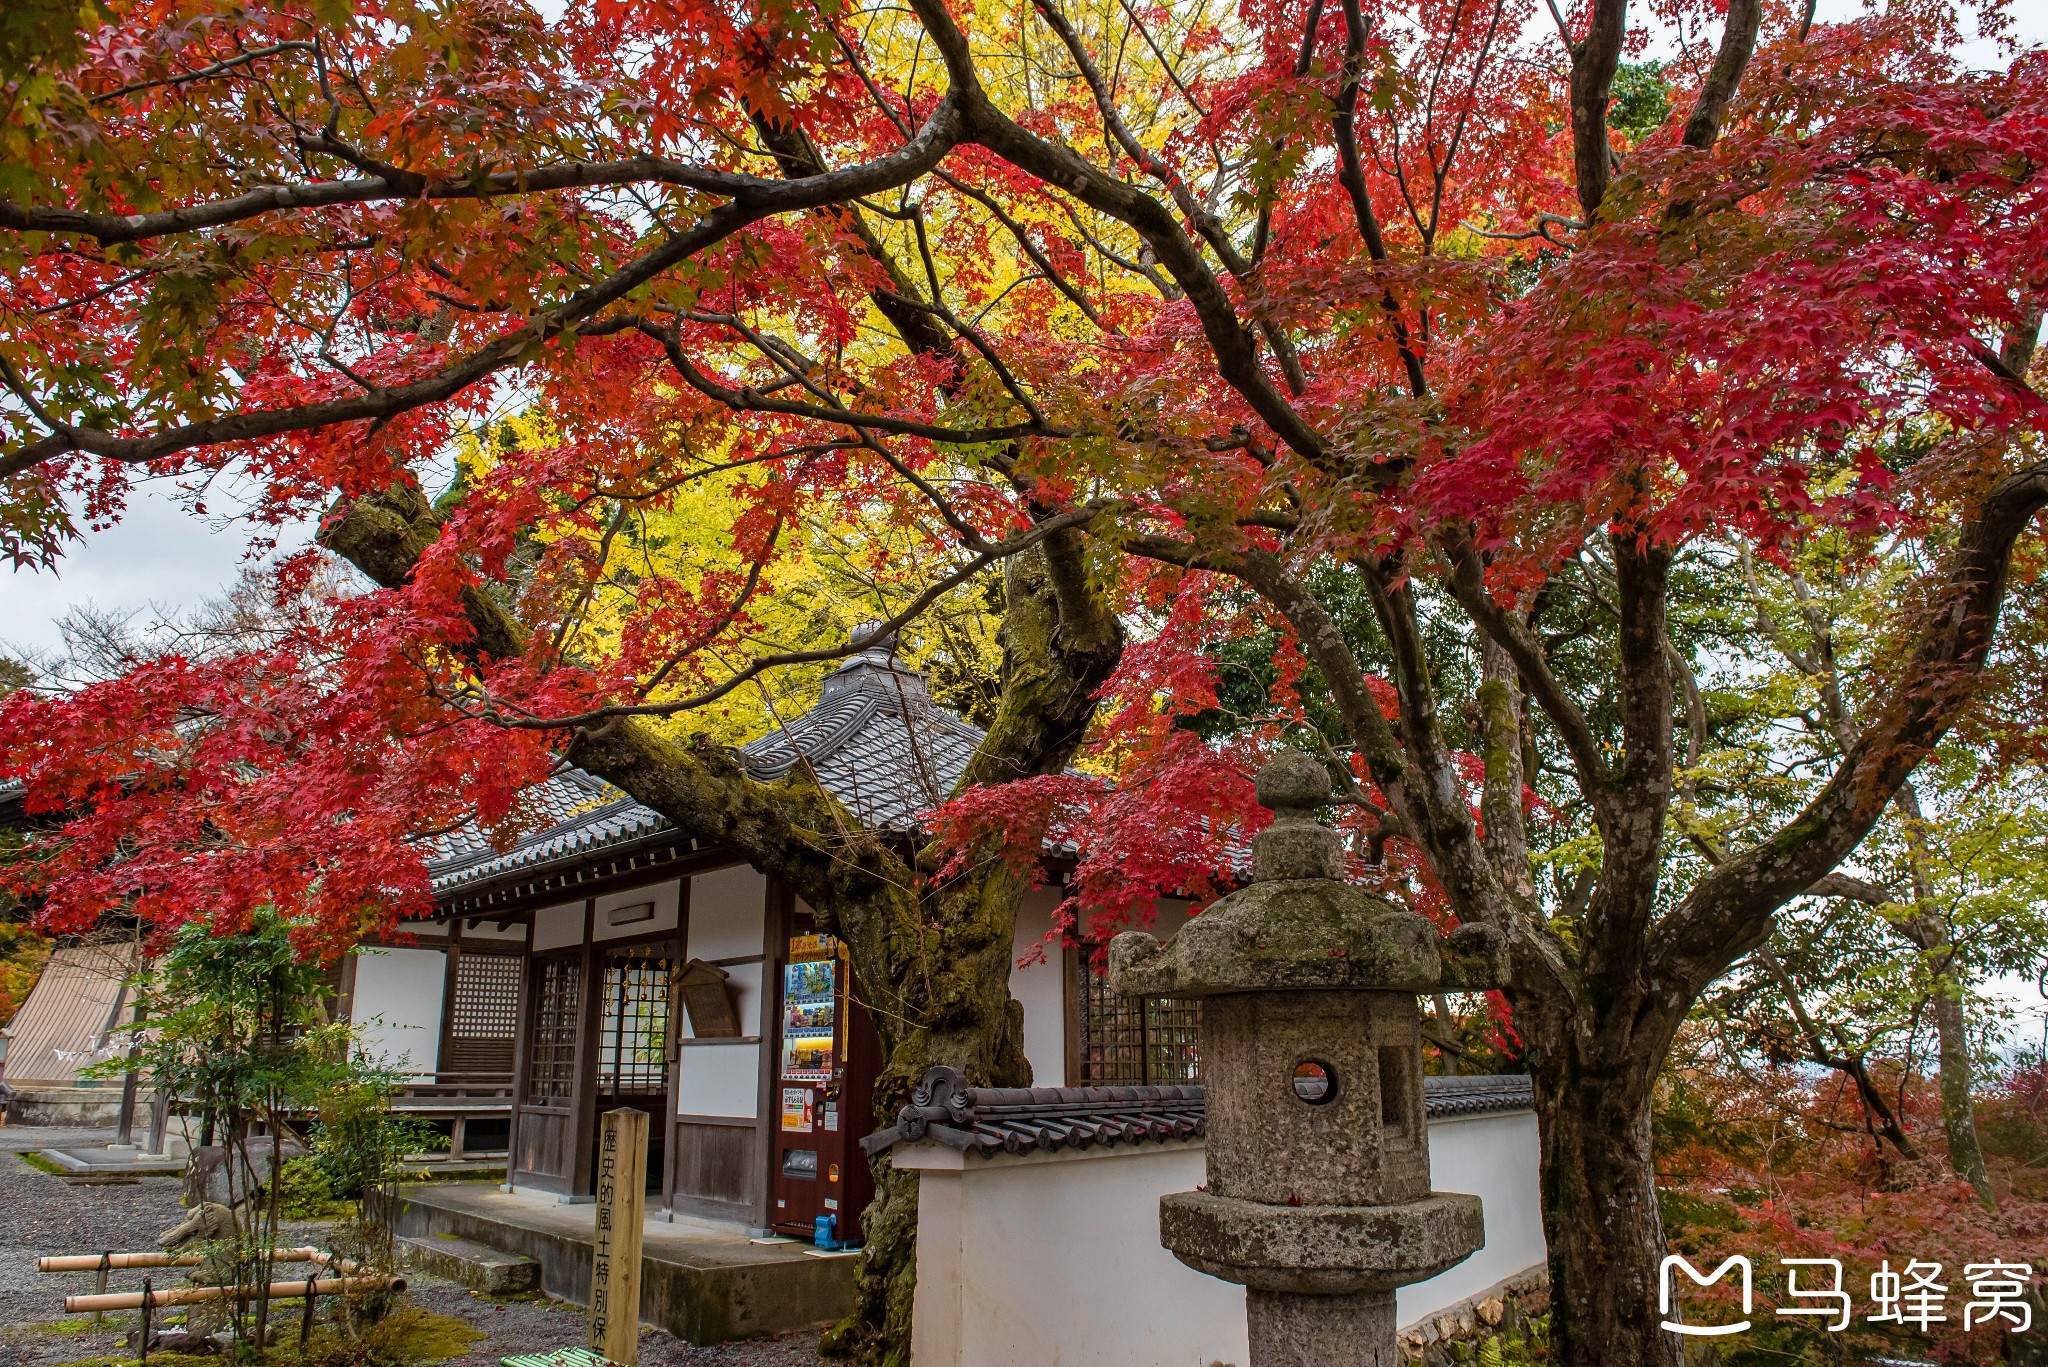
{"type": "Point", "coordinates": [824, 1093]}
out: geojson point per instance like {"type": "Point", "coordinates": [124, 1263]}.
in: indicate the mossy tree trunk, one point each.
{"type": "Point", "coordinates": [931, 957]}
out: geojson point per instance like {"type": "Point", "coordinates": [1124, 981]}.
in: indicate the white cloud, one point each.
{"type": "Point", "coordinates": [159, 556]}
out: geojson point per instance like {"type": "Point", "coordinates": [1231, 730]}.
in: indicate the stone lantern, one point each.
{"type": "Point", "coordinates": [1318, 1199]}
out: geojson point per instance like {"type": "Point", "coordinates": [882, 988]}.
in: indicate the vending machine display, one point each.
{"type": "Point", "coordinates": [824, 1088]}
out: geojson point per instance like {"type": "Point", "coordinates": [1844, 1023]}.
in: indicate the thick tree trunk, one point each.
{"type": "Point", "coordinates": [949, 972]}
{"type": "Point", "coordinates": [1930, 933]}
{"type": "Point", "coordinates": [1599, 1191]}
{"type": "Point", "coordinates": [949, 1003]}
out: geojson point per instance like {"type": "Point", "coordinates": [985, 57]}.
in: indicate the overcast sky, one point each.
{"type": "Point", "coordinates": [162, 557]}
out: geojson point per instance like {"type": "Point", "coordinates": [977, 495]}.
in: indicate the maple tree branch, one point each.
{"type": "Point", "coordinates": [1849, 1062]}
{"type": "Point", "coordinates": [1631, 862]}
{"type": "Point", "coordinates": [757, 199]}
{"type": "Point", "coordinates": [1351, 174]}
{"type": "Point", "coordinates": [1738, 42]}
{"type": "Point", "coordinates": [747, 399]}
{"type": "Point", "coordinates": [215, 69]}
{"type": "Point", "coordinates": [1304, 58]}
{"type": "Point", "coordinates": [1229, 340]}
{"type": "Point", "coordinates": [1467, 583]}
{"type": "Point", "coordinates": [521, 720]}
{"type": "Point", "coordinates": [1731, 909]}
{"type": "Point", "coordinates": [1167, 289]}
{"type": "Point", "coordinates": [1426, 807]}
{"type": "Point", "coordinates": [1595, 59]}
{"type": "Point", "coordinates": [1207, 225]}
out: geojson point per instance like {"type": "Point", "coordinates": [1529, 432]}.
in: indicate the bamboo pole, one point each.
{"type": "Point", "coordinates": [201, 1295]}
{"type": "Point", "coordinates": [90, 1262]}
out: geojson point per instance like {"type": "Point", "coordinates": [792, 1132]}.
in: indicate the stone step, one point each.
{"type": "Point", "coordinates": [471, 1264]}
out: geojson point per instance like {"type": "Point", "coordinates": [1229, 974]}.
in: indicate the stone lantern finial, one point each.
{"type": "Point", "coordinates": [1293, 786]}
{"type": "Point", "coordinates": [1318, 1200]}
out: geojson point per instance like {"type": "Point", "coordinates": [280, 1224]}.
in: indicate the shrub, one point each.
{"type": "Point", "coordinates": [305, 1193]}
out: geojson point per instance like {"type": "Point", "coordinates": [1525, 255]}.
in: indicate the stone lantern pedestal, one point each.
{"type": "Point", "coordinates": [1318, 1199]}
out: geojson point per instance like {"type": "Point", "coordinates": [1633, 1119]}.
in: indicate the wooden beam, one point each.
{"type": "Point", "coordinates": [583, 1100]}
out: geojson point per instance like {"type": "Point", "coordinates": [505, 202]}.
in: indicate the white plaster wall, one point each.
{"type": "Point", "coordinates": [1053, 1260]}
{"type": "Point", "coordinates": [728, 911]}
{"type": "Point", "coordinates": [663, 895]}
{"type": "Point", "coordinates": [1038, 988]}
{"type": "Point", "coordinates": [397, 1007]}
{"type": "Point", "coordinates": [1494, 1158]}
{"type": "Point", "coordinates": [427, 929]}
{"type": "Point", "coordinates": [719, 1078]}
{"type": "Point", "coordinates": [558, 927]}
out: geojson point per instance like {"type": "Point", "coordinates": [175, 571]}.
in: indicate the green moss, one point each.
{"type": "Point", "coordinates": [42, 1164]}
{"type": "Point", "coordinates": [407, 1336]}
{"type": "Point", "coordinates": [77, 1326]}
{"type": "Point", "coordinates": [436, 1338]}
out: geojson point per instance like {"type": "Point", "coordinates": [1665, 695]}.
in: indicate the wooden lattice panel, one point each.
{"type": "Point", "coordinates": [551, 1067]}
{"type": "Point", "coordinates": [1128, 1041]}
{"type": "Point", "coordinates": [486, 1005]}
{"type": "Point", "coordinates": [633, 1042]}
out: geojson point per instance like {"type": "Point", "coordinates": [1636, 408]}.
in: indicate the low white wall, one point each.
{"type": "Point", "coordinates": [1053, 1260]}
{"type": "Point", "coordinates": [397, 1007]}
{"type": "Point", "coordinates": [1493, 1157]}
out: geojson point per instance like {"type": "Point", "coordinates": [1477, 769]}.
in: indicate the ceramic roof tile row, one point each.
{"type": "Point", "coordinates": [992, 1120]}
{"type": "Point", "coordinates": [875, 740]}
{"type": "Point", "coordinates": [585, 814]}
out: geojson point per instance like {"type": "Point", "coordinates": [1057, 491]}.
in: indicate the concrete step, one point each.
{"type": "Point", "coordinates": [702, 1281]}
{"type": "Point", "coordinates": [471, 1264]}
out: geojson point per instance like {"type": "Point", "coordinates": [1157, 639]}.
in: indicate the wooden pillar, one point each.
{"type": "Point", "coordinates": [450, 967]}
{"type": "Point", "coordinates": [522, 1029]}
{"type": "Point", "coordinates": [615, 1246]}
{"type": "Point", "coordinates": [583, 1105]}
{"type": "Point", "coordinates": [680, 955]}
{"type": "Point", "coordinates": [778, 923]}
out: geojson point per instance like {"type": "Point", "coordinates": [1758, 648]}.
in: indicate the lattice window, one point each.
{"type": "Point", "coordinates": [1125, 1041]}
{"type": "Point", "coordinates": [551, 1053]}
{"type": "Point", "coordinates": [484, 1015]}
{"type": "Point", "coordinates": [633, 1039]}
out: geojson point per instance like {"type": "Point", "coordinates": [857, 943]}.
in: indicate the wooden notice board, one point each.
{"type": "Point", "coordinates": [615, 1252]}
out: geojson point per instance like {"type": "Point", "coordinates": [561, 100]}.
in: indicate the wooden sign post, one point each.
{"type": "Point", "coordinates": [615, 1253]}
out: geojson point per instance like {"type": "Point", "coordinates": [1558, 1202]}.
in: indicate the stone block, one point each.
{"type": "Point", "coordinates": [471, 1264]}
{"type": "Point", "coordinates": [1320, 1250]}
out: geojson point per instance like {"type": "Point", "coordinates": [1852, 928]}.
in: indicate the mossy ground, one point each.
{"type": "Point", "coordinates": [42, 1164]}
{"type": "Point", "coordinates": [405, 1338]}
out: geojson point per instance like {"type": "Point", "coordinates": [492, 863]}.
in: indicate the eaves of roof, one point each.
{"type": "Point", "coordinates": [987, 1121]}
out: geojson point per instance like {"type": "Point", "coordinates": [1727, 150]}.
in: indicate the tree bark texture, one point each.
{"type": "Point", "coordinates": [1600, 1219]}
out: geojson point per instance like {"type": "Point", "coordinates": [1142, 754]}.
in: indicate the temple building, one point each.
{"type": "Point", "coordinates": [551, 985]}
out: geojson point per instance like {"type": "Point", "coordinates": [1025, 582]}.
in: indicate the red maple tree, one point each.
{"type": "Point", "coordinates": [1369, 311]}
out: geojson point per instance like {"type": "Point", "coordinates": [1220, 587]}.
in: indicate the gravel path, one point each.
{"type": "Point", "coordinates": [42, 1214]}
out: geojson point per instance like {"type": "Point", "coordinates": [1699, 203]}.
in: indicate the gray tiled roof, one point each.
{"type": "Point", "coordinates": [876, 741]}
{"type": "Point", "coordinates": [583, 814]}
{"type": "Point", "coordinates": [990, 1120]}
